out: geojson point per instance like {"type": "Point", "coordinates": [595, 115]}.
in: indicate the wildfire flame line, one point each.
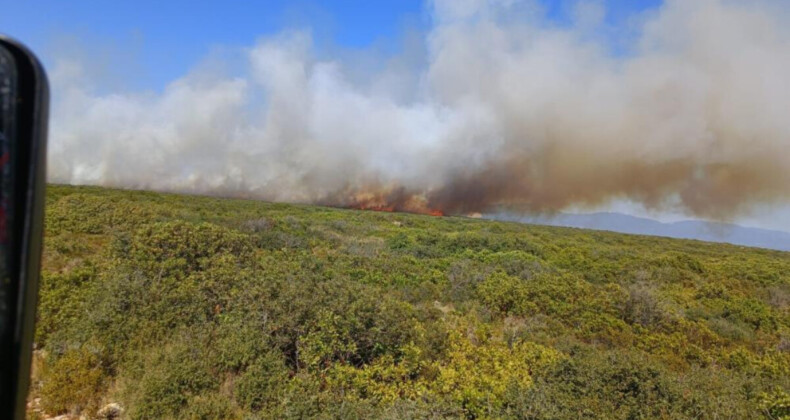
{"type": "Point", "coordinates": [392, 199]}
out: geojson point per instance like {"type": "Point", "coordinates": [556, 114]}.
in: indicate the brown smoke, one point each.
{"type": "Point", "coordinates": [499, 109]}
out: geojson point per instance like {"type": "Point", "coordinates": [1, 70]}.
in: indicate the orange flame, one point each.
{"type": "Point", "coordinates": [395, 199]}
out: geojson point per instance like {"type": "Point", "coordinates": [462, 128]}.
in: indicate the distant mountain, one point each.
{"type": "Point", "coordinates": [691, 229]}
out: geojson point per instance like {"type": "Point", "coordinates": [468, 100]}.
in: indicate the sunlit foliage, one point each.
{"type": "Point", "coordinates": [189, 307]}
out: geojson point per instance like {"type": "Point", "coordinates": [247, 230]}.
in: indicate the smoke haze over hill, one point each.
{"type": "Point", "coordinates": [687, 229]}
{"type": "Point", "coordinates": [494, 107]}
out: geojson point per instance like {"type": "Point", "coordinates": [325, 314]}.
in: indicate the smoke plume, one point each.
{"type": "Point", "coordinates": [494, 107]}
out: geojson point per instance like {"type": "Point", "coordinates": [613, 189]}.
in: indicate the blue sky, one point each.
{"type": "Point", "coordinates": [155, 42]}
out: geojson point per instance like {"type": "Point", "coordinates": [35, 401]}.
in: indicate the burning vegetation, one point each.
{"type": "Point", "coordinates": [392, 199]}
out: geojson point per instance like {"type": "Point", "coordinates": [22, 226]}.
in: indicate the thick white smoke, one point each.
{"type": "Point", "coordinates": [509, 110]}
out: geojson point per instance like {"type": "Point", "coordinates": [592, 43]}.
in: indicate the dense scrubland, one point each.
{"type": "Point", "coordinates": [184, 307]}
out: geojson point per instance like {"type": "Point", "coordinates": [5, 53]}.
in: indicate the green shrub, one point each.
{"type": "Point", "coordinates": [262, 384]}
{"type": "Point", "coordinates": [186, 307]}
{"type": "Point", "coordinates": [72, 382]}
{"type": "Point", "coordinates": [162, 383]}
{"type": "Point", "coordinates": [776, 404]}
{"type": "Point", "coordinates": [62, 299]}
{"type": "Point", "coordinates": [644, 306]}
{"type": "Point", "coordinates": [210, 406]}
{"type": "Point", "coordinates": [179, 248]}
{"type": "Point", "coordinates": [506, 294]}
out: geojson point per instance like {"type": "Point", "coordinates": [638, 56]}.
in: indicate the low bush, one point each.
{"type": "Point", "coordinates": [184, 307]}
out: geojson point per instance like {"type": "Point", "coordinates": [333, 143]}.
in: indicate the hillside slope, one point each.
{"type": "Point", "coordinates": [190, 307]}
